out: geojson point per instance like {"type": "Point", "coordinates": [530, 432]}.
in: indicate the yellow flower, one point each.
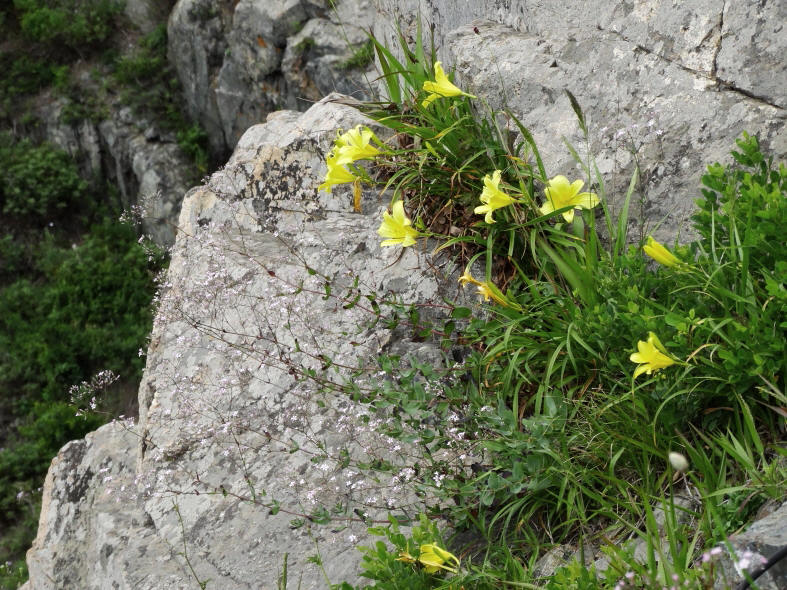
{"type": "Point", "coordinates": [397, 228]}
{"type": "Point", "coordinates": [467, 278]}
{"type": "Point", "coordinates": [659, 253]}
{"type": "Point", "coordinates": [405, 557]}
{"type": "Point", "coordinates": [433, 558]}
{"type": "Point", "coordinates": [560, 193]}
{"type": "Point", "coordinates": [441, 87]}
{"type": "Point", "coordinates": [355, 145]}
{"type": "Point", "coordinates": [651, 356]}
{"type": "Point", "coordinates": [337, 174]}
{"type": "Point", "coordinates": [492, 197]}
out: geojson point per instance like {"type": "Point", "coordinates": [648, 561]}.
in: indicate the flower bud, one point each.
{"type": "Point", "coordinates": [678, 462]}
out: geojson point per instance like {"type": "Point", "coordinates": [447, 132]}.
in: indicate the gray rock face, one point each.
{"type": "Point", "coordinates": [148, 167]}
{"type": "Point", "coordinates": [147, 14]}
{"type": "Point", "coordinates": [666, 86]}
{"type": "Point", "coordinates": [752, 548]}
{"type": "Point", "coordinates": [239, 61]}
{"type": "Point", "coordinates": [246, 430]}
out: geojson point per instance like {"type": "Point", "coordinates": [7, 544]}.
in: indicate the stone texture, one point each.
{"type": "Point", "coordinates": [761, 540]}
{"type": "Point", "coordinates": [666, 85]}
{"type": "Point", "coordinates": [224, 405]}
{"type": "Point", "coordinates": [146, 165]}
{"type": "Point", "coordinates": [146, 15]}
{"type": "Point", "coordinates": [239, 61]}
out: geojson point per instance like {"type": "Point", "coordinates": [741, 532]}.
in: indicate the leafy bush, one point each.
{"type": "Point", "coordinates": [90, 311]}
{"type": "Point", "coordinates": [79, 310]}
{"type": "Point", "coordinates": [74, 23]}
{"type": "Point", "coordinates": [38, 182]}
{"type": "Point", "coordinates": [150, 86]}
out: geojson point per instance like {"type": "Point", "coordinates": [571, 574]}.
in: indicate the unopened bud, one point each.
{"type": "Point", "coordinates": [678, 462]}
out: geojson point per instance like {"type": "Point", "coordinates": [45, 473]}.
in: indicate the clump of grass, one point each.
{"type": "Point", "coordinates": [362, 57]}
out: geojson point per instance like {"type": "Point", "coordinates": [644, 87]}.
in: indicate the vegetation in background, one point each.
{"type": "Point", "coordinates": [75, 285]}
{"type": "Point", "coordinates": [149, 85]}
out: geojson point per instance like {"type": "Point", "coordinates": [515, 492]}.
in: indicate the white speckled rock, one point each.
{"type": "Point", "coordinates": [224, 407]}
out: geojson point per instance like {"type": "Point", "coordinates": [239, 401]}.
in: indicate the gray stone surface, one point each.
{"type": "Point", "coordinates": [224, 406]}
{"type": "Point", "coordinates": [146, 15]}
{"type": "Point", "coordinates": [146, 165]}
{"type": "Point", "coordinates": [239, 61]}
{"type": "Point", "coordinates": [666, 85]}
{"type": "Point", "coordinates": [754, 546]}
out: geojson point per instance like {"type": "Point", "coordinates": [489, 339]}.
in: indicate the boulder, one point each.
{"type": "Point", "coordinates": [244, 457]}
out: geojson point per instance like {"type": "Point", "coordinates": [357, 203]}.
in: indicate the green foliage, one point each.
{"type": "Point", "coordinates": [568, 439]}
{"type": "Point", "coordinates": [89, 311]}
{"type": "Point", "coordinates": [77, 311]}
{"type": "Point", "coordinates": [24, 75]}
{"type": "Point", "coordinates": [74, 23]}
{"type": "Point", "coordinates": [362, 57]}
{"type": "Point", "coordinates": [38, 182]}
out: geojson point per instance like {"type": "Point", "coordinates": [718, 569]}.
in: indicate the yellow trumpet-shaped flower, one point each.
{"type": "Point", "coordinates": [659, 253]}
{"type": "Point", "coordinates": [355, 145]}
{"type": "Point", "coordinates": [406, 557]}
{"type": "Point", "coordinates": [651, 356]}
{"type": "Point", "coordinates": [397, 228]}
{"type": "Point", "coordinates": [492, 197]}
{"type": "Point", "coordinates": [434, 558]}
{"type": "Point", "coordinates": [487, 290]}
{"type": "Point", "coordinates": [337, 174]}
{"type": "Point", "coordinates": [467, 278]}
{"type": "Point", "coordinates": [441, 87]}
{"type": "Point", "coordinates": [561, 193]}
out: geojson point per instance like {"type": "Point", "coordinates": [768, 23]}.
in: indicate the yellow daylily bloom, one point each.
{"type": "Point", "coordinates": [434, 558]}
{"type": "Point", "coordinates": [659, 253]}
{"type": "Point", "coordinates": [441, 87]}
{"type": "Point", "coordinates": [406, 557]}
{"type": "Point", "coordinates": [355, 145]}
{"type": "Point", "coordinates": [337, 174]}
{"type": "Point", "coordinates": [492, 197]}
{"type": "Point", "coordinates": [651, 356]}
{"type": "Point", "coordinates": [486, 290]}
{"type": "Point", "coordinates": [467, 278]}
{"type": "Point", "coordinates": [397, 227]}
{"type": "Point", "coordinates": [562, 193]}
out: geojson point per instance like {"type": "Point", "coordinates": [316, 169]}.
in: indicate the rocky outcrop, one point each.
{"type": "Point", "coordinates": [247, 437]}
{"type": "Point", "coordinates": [146, 165]}
{"type": "Point", "coordinates": [664, 86]}
{"type": "Point", "coordinates": [238, 61]}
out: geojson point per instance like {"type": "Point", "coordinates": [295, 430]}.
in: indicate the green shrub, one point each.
{"type": "Point", "coordinates": [91, 311]}
{"type": "Point", "coordinates": [39, 182]}
{"type": "Point", "coordinates": [74, 23]}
